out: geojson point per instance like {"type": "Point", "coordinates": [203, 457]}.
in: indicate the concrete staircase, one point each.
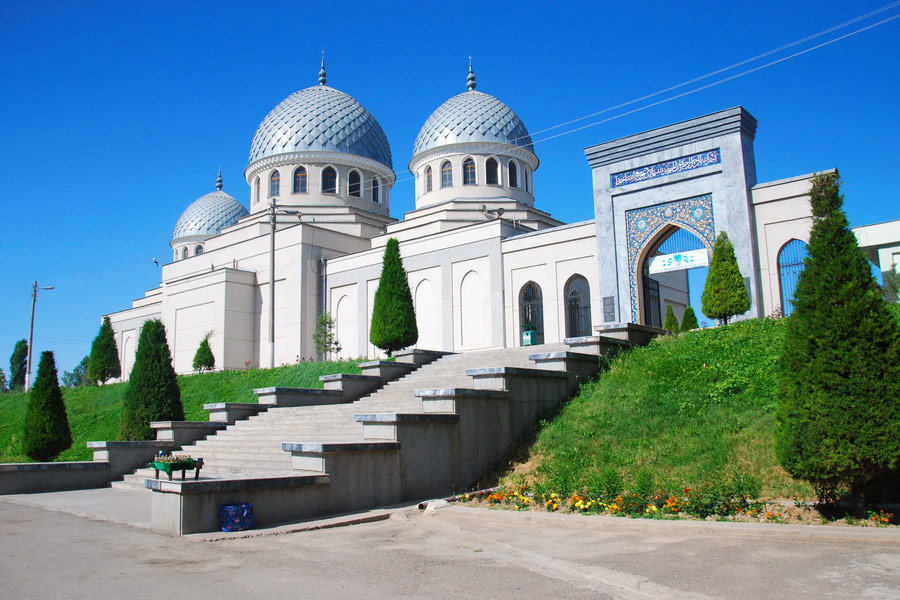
{"type": "Point", "coordinates": [428, 432]}
{"type": "Point", "coordinates": [253, 447]}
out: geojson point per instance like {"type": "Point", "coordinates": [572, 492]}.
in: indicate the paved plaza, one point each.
{"type": "Point", "coordinates": [452, 552]}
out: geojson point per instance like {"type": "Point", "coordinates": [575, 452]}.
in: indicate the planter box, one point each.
{"type": "Point", "coordinates": [182, 465]}
{"type": "Point", "coordinates": [529, 338]}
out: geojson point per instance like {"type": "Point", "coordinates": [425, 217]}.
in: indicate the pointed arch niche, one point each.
{"type": "Point", "coordinates": [648, 228]}
{"type": "Point", "coordinates": [428, 316]}
{"type": "Point", "coordinates": [471, 311]}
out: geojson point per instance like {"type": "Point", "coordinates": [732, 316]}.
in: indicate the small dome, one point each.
{"type": "Point", "coordinates": [472, 117]}
{"type": "Point", "coordinates": [208, 215]}
{"type": "Point", "coordinates": [320, 118]}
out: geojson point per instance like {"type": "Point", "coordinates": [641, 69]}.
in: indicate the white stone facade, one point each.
{"type": "Point", "coordinates": [485, 265]}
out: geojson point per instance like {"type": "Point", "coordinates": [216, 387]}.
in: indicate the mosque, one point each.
{"type": "Point", "coordinates": [485, 265]}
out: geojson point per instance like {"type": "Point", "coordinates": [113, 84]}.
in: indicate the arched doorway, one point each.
{"type": "Point", "coordinates": [791, 258]}
{"type": "Point", "coordinates": [531, 311]}
{"type": "Point", "coordinates": [662, 273]}
{"type": "Point", "coordinates": [578, 307]}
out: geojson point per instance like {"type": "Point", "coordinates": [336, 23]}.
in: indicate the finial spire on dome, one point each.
{"type": "Point", "coordinates": [322, 70]}
{"type": "Point", "coordinates": [219, 180]}
{"type": "Point", "coordinates": [470, 80]}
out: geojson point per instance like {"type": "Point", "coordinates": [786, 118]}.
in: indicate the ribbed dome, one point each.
{"type": "Point", "coordinates": [208, 215]}
{"type": "Point", "coordinates": [472, 117]}
{"type": "Point", "coordinates": [320, 118]}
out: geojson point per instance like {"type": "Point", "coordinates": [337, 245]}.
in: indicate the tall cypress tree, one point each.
{"type": "Point", "coordinates": [393, 316]}
{"type": "Point", "coordinates": [46, 433]}
{"type": "Point", "coordinates": [18, 364]}
{"type": "Point", "coordinates": [104, 361]}
{"type": "Point", "coordinates": [152, 393]}
{"type": "Point", "coordinates": [724, 294]}
{"type": "Point", "coordinates": [838, 412]}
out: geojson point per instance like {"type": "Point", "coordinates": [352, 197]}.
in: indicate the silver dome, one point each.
{"type": "Point", "coordinates": [320, 118]}
{"type": "Point", "coordinates": [472, 117]}
{"type": "Point", "coordinates": [208, 215]}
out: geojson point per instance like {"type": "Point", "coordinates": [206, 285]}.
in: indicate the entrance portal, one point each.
{"type": "Point", "coordinates": [664, 267]}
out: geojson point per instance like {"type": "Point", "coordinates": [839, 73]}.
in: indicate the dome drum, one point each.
{"type": "Point", "coordinates": [311, 186]}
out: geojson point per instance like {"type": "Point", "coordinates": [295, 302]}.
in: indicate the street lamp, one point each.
{"type": "Point", "coordinates": [274, 211]}
{"type": "Point", "coordinates": [34, 291]}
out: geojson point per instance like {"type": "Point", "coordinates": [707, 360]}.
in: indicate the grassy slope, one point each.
{"type": "Point", "coordinates": [683, 410]}
{"type": "Point", "coordinates": [94, 412]}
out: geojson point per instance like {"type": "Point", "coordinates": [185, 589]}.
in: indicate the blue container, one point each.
{"type": "Point", "coordinates": [236, 517]}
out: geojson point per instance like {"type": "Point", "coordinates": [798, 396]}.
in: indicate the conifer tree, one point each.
{"type": "Point", "coordinates": [203, 358]}
{"type": "Point", "coordinates": [46, 433]}
{"type": "Point", "coordinates": [838, 413]}
{"type": "Point", "coordinates": [724, 294]}
{"type": "Point", "coordinates": [152, 393]}
{"type": "Point", "coordinates": [324, 337]}
{"type": "Point", "coordinates": [671, 321]}
{"type": "Point", "coordinates": [18, 364]}
{"type": "Point", "coordinates": [4, 385]}
{"type": "Point", "coordinates": [393, 315]}
{"type": "Point", "coordinates": [104, 361]}
{"type": "Point", "coordinates": [689, 319]}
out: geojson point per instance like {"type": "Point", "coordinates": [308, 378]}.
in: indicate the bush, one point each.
{"type": "Point", "coordinates": [838, 407]}
{"type": "Point", "coordinates": [203, 358]}
{"type": "Point", "coordinates": [104, 361]}
{"type": "Point", "coordinates": [46, 433]}
{"type": "Point", "coordinates": [18, 364]}
{"type": "Point", "coordinates": [152, 393]}
{"type": "Point", "coordinates": [393, 315]}
{"type": "Point", "coordinates": [671, 322]}
{"type": "Point", "coordinates": [724, 294]}
{"type": "Point", "coordinates": [689, 320]}
{"type": "Point", "coordinates": [4, 386]}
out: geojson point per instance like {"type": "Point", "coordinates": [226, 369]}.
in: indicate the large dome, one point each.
{"type": "Point", "coordinates": [320, 118]}
{"type": "Point", "coordinates": [208, 215]}
{"type": "Point", "coordinates": [472, 117]}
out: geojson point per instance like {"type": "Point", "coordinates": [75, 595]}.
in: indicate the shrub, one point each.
{"type": "Point", "coordinates": [104, 362]}
{"type": "Point", "coordinates": [671, 322]}
{"type": "Point", "coordinates": [689, 320]}
{"type": "Point", "coordinates": [724, 294]}
{"type": "Point", "coordinates": [4, 386]}
{"type": "Point", "coordinates": [393, 315]}
{"type": "Point", "coordinates": [18, 365]}
{"type": "Point", "coordinates": [46, 433]}
{"type": "Point", "coordinates": [606, 484]}
{"type": "Point", "coordinates": [203, 358]}
{"type": "Point", "coordinates": [324, 337]}
{"type": "Point", "coordinates": [152, 393]}
{"type": "Point", "coordinates": [838, 407]}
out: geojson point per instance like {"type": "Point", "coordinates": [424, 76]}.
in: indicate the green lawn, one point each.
{"type": "Point", "coordinates": [681, 412]}
{"type": "Point", "coordinates": [94, 412]}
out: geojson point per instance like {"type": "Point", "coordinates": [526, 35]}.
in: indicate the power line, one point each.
{"type": "Point", "coordinates": [707, 76]}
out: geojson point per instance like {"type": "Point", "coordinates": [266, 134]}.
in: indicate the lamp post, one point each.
{"type": "Point", "coordinates": [274, 211]}
{"type": "Point", "coordinates": [34, 291]}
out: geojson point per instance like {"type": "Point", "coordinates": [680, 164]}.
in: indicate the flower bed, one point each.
{"type": "Point", "coordinates": [689, 504]}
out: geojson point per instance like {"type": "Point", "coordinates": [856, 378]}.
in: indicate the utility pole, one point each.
{"type": "Point", "coordinates": [34, 291]}
{"type": "Point", "coordinates": [274, 211]}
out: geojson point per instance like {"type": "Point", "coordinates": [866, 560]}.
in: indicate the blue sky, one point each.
{"type": "Point", "coordinates": [115, 116]}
